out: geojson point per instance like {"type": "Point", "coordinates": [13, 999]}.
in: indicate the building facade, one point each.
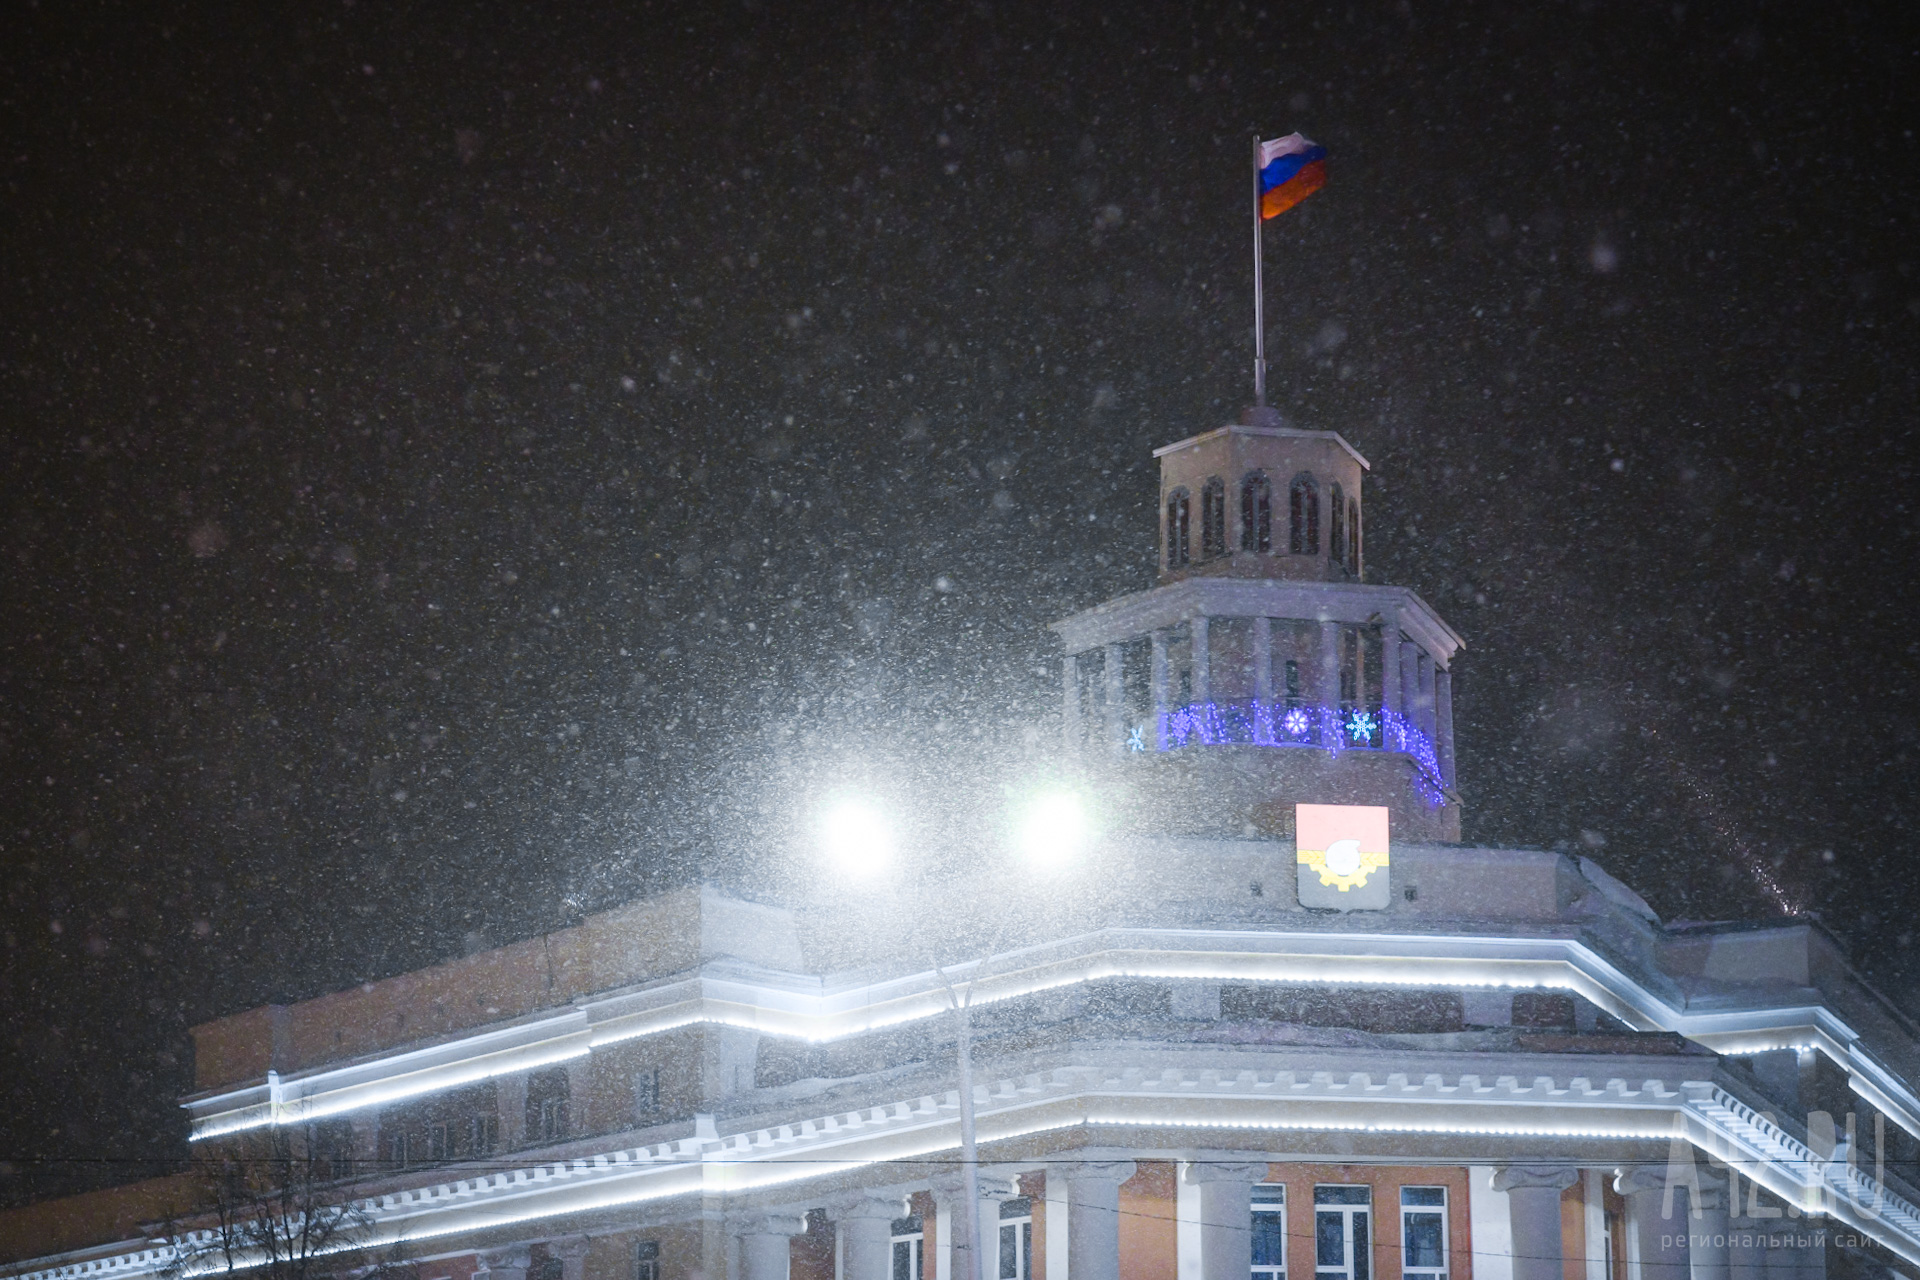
{"type": "Point", "coordinates": [1233, 1041]}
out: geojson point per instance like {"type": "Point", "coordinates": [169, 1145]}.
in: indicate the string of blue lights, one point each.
{"type": "Point", "coordinates": [1333, 729]}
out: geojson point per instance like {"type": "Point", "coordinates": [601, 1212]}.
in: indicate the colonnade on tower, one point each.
{"type": "Point", "coordinates": [1263, 633]}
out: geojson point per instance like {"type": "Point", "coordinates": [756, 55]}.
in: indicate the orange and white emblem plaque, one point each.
{"type": "Point", "coordinates": [1342, 852]}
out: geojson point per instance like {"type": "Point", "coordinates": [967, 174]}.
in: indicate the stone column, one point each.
{"type": "Point", "coordinates": [1114, 686]}
{"type": "Point", "coordinates": [1263, 659]}
{"type": "Point", "coordinates": [950, 1224]}
{"type": "Point", "coordinates": [1409, 658]}
{"type": "Point", "coordinates": [1226, 1215]}
{"type": "Point", "coordinates": [1059, 1237]}
{"type": "Point", "coordinates": [1093, 1218]}
{"type": "Point", "coordinates": [510, 1263]}
{"type": "Point", "coordinates": [766, 1243]}
{"type": "Point", "coordinates": [1201, 668]}
{"type": "Point", "coordinates": [1070, 704]}
{"type": "Point", "coordinates": [572, 1252]}
{"type": "Point", "coordinates": [1424, 700]}
{"type": "Point", "coordinates": [1707, 1251]}
{"type": "Point", "coordinates": [1533, 1208]}
{"type": "Point", "coordinates": [1157, 688]}
{"type": "Point", "coordinates": [1443, 722]}
{"type": "Point", "coordinates": [1390, 666]}
{"type": "Point", "coordinates": [1328, 691]}
{"type": "Point", "coordinates": [864, 1224]}
{"type": "Point", "coordinates": [993, 1193]}
{"type": "Point", "coordinates": [1656, 1243]}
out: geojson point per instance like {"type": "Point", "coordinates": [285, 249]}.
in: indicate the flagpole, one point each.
{"type": "Point", "coordinates": [1259, 293]}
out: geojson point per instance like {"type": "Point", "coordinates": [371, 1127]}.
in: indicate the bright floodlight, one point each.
{"type": "Point", "coordinates": [855, 839]}
{"type": "Point", "coordinates": [1053, 831]}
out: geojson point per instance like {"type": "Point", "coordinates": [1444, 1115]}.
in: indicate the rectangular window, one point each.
{"type": "Point", "coordinates": [1270, 1231]}
{"type": "Point", "coordinates": [553, 1119]}
{"type": "Point", "coordinates": [646, 1260]}
{"type": "Point", "coordinates": [440, 1141]}
{"type": "Point", "coordinates": [333, 1148]}
{"type": "Point", "coordinates": [1342, 1234]}
{"type": "Point", "coordinates": [397, 1150]}
{"type": "Point", "coordinates": [909, 1248]}
{"type": "Point", "coordinates": [1016, 1239]}
{"type": "Point", "coordinates": [646, 1094]}
{"type": "Point", "coordinates": [483, 1133]}
{"type": "Point", "coordinates": [1423, 1233]}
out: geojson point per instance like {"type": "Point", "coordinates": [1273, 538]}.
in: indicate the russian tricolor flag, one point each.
{"type": "Point", "coordinates": [1291, 169]}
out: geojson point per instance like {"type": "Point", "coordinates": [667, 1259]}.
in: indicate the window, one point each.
{"type": "Point", "coordinates": [1213, 518]}
{"type": "Point", "coordinates": [646, 1260]}
{"type": "Point", "coordinates": [553, 1119]}
{"type": "Point", "coordinates": [397, 1149]}
{"type": "Point", "coordinates": [646, 1094]}
{"type": "Point", "coordinates": [1423, 1233]}
{"type": "Point", "coordinates": [547, 1105]}
{"type": "Point", "coordinates": [1353, 536]}
{"type": "Point", "coordinates": [1256, 513]}
{"type": "Point", "coordinates": [1177, 553]}
{"type": "Point", "coordinates": [909, 1248]}
{"type": "Point", "coordinates": [440, 1141]}
{"type": "Point", "coordinates": [1337, 520]}
{"type": "Point", "coordinates": [1016, 1239]}
{"type": "Point", "coordinates": [1293, 678]}
{"type": "Point", "coordinates": [483, 1133]}
{"type": "Point", "coordinates": [547, 1268]}
{"type": "Point", "coordinates": [1270, 1231]}
{"type": "Point", "coordinates": [332, 1146]}
{"type": "Point", "coordinates": [1342, 1242]}
{"type": "Point", "coordinates": [1303, 516]}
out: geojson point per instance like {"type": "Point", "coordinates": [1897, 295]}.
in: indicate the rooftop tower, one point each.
{"type": "Point", "coordinates": [1264, 670]}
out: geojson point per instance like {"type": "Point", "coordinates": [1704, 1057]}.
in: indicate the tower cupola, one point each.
{"type": "Point", "coordinates": [1264, 671]}
{"type": "Point", "coordinates": [1261, 500]}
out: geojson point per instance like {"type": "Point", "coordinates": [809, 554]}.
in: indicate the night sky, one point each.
{"type": "Point", "coordinates": [465, 467]}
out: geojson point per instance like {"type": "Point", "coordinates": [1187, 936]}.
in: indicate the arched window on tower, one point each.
{"type": "Point", "coordinates": [1256, 512]}
{"type": "Point", "coordinates": [1353, 536]}
{"type": "Point", "coordinates": [1177, 553]}
{"type": "Point", "coordinates": [1213, 518]}
{"type": "Point", "coordinates": [1303, 515]}
{"type": "Point", "coordinates": [1337, 522]}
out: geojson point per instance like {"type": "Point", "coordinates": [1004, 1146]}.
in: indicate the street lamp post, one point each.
{"type": "Point", "coordinates": [1051, 833]}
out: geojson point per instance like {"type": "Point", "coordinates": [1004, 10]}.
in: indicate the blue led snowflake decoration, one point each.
{"type": "Point", "coordinates": [1295, 722]}
{"type": "Point", "coordinates": [1360, 726]}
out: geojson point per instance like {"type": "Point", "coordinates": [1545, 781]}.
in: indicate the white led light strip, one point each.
{"type": "Point", "coordinates": [925, 1129]}
{"type": "Point", "coordinates": [776, 1006]}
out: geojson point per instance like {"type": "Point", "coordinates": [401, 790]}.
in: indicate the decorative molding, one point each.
{"type": "Point", "coordinates": [1514, 1177]}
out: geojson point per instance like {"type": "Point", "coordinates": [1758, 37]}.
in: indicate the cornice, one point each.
{"type": "Point", "coordinates": [778, 1004]}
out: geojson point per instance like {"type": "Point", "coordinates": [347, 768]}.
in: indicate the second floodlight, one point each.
{"type": "Point", "coordinates": [1053, 831]}
{"type": "Point", "coordinates": [856, 839]}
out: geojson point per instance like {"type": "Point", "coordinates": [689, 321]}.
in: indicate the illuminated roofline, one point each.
{"type": "Point", "coordinates": [771, 1006]}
